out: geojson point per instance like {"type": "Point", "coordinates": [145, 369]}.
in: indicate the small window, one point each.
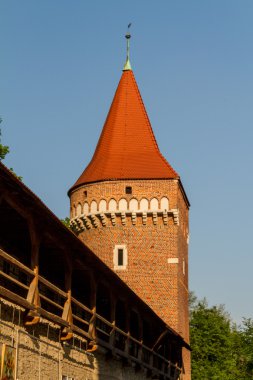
{"type": "Point", "coordinates": [85, 193]}
{"type": "Point", "coordinates": [128, 190]}
{"type": "Point", "coordinates": [120, 257]}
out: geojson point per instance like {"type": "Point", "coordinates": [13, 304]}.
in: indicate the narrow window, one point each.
{"type": "Point", "coordinates": [120, 257]}
{"type": "Point", "coordinates": [85, 193]}
{"type": "Point", "coordinates": [128, 190]}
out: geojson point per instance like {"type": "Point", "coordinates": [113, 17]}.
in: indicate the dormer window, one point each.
{"type": "Point", "coordinates": [128, 190]}
{"type": "Point", "coordinates": [120, 257]}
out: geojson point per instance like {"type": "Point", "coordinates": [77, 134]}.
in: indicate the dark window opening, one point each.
{"type": "Point", "coordinates": [128, 190]}
{"type": "Point", "coordinates": [134, 325]}
{"type": "Point", "coordinates": [85, 193]}
{"type": "Point", "coordinates": [120, 315]}
{"type": "Point", "coordinates": [103, 302]}
{"type": "Point", "coordinates": [15, 236]}
{"type": "Point", "coordinates": [120, 321]}
{"type": "Point", "coordinates": [120, 257]}
{"type": "Point", "coordinates": [81, 288]}
{"type": "Point", "coordinates": [148, 334]}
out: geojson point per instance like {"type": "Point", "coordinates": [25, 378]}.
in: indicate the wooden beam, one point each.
{"type": "Point", "coordinates": [12, 279]}
{"type": "Point", "coordinates": [67, 332]}
{"type": "Point", "coordinates": [16, 205]}
{"type": "Point", "coordinates": [160, 338]}
{"type": "Point", "coordinates": [14, 261]}
{"type": "Point", "coordinates": [52, 287]}
{"type": "Point", "coordinates": [93, 295]}
{"type": "Point", "coordinates": [32, 318]}
{"type": "Point", "coordinates": [52, 317]}
{"type": "Point", "coordinates": [15, 298]}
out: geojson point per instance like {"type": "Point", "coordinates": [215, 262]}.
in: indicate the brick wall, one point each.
{"type": "Point", "coordinates": [163, 285]}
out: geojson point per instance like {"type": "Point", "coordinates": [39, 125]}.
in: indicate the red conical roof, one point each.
{"type": "Point", "coordinates": [127, 148]}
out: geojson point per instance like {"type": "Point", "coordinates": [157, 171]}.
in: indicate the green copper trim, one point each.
{"type": "Point", "coordinates": [127, 65]}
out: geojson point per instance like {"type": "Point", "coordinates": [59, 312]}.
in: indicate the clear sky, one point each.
{"type": "Point", "coordinates": [60, 63]}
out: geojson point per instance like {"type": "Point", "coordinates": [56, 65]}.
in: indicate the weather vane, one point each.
{"type": "Point", "coordinates": [128, 36]}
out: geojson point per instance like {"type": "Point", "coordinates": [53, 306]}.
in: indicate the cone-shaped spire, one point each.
{"type": "Point", "coordinates": [127, 148]}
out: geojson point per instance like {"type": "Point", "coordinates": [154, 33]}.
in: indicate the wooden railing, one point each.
{"type": "Point", "coordinates": [15, 281]}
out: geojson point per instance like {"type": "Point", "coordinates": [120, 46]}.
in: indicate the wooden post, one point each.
{"type": "Point", "coordinates": [67, 332]}
{"type": "Point", "coordinates": [140, 322]}
{"type": "Point", "coordinates": [113, 317]}
{"type": "Point", "coordinates": [127, 329]}
{"type": "Point", "coordinates": [32, 317]}
{"type": "Point", "coordinates": [92, 346]}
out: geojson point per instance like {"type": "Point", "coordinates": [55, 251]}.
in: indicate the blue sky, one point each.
{"type": "Point", "coordinates": [60, 64]}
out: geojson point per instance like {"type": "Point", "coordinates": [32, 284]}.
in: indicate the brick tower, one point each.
{"type": "Point", "coordinates": [130, 208]}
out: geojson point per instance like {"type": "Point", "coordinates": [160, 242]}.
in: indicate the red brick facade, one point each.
{"type": "Point", "coordinates": [150, 243]}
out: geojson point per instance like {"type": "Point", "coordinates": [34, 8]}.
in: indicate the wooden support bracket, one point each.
{"type": "Point", "coordinates": [67, 332]}
{"type": "Point", "coordinates": [92, 327]}
{"type": "Point", "coordinates": [32, 317]}
{"type": "Point", "coordinates": [92, 346]}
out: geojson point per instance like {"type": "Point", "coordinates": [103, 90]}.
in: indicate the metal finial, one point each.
{"type": "Point", "coordinates": [127, 65]}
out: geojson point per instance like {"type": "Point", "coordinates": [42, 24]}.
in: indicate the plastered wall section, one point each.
{"type": "Point", "coordinates": [40, 355]}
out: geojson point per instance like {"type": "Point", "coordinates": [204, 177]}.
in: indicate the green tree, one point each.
{"type": "Point", "coordinates": [213, 340]}
{"type": "Point", "coordinates": [4, 149]}
{"type": "Point", "coordinates": [66, 222]}
{"type": "Point", "coordinates": [245, 344]}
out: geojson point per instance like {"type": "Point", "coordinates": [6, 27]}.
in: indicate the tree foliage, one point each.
{"type": "Point", "coordinates": [220, 349]}
{"type": "Point", "coordinates": [4, 150]}
{"type": "Point", "coordinates": [66, 222]}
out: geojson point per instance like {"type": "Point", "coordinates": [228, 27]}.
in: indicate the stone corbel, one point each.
{"type": "Point", "coordinates": [165, 217]}
{"type": "Point", "coordinates": [123, 218]}
{"type": "Point", "coordinates": [113, 218]}
{"type": "Point", "coordinates": [103, 219]}
{"type": "Point", "coordinates": [144, 218]}
{"type": "Point", "coordinates": [79, 224]}
{"type": "Point", "coordinates": [74, 226]}
{"type": "Point", "coordinates": [94, 220]}
{"type": "Point", "coordinates": [133, 218]}
{"type": "Point", "coordinates": [154, 215]}
{"type": "Point", "coordinates": [175, 212]}
{"type": "Point", "coordinates": [86, 222]}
